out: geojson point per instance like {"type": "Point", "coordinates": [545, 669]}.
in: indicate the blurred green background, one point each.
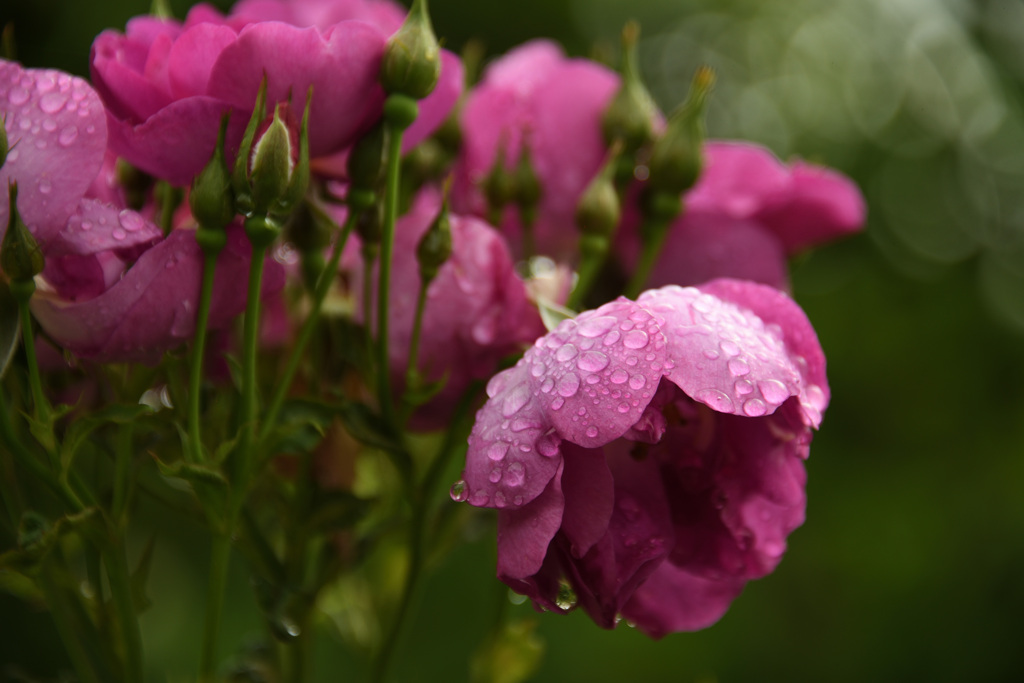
{"type": "Point", "coordinates": [911, 562]}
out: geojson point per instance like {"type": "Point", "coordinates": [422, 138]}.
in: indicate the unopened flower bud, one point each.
{"type": "Point", "coordinates": [20, 257]}
{"type": "Point", "coordinates": [630, 115]}
{"type": "Point", "coordinates": [212, 198]}
{"type": "Point", "coordinates": [273, 163]}
{"type": "Point", "coordinates": [412, 57]}
{"type": "Point", "coordinates": [435, 246]}
{"type": "Point", "coordinates": [599, 209]}
{"type": "Point", "coordinates": [677, 157]}
{"type": "Point", "coordinates": [369, 225]}
{"type": "Point", "coordinates": [366, 159]}
{"type": "Point", "coordinates": [499, 186]}
{"type": "Point", "coordinates": [240, 174]}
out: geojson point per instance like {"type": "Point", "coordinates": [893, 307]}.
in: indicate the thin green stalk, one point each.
{"type": "Point", "coordinates": [411, 368]}
{"type": "Point", "coordinates": [220, 560]}
{"type": "Point", "coordinates": [122, 474]}
{"type": "Point", "coordinates": [249, 399]}
{"type": "Point", "coordinates": [323, 286]}
{"type": "Point", "coordinates": [657, 230]}
{"type": "Point", "coordinates": [42, 406]}
{"type": "Point", "coordinates": [68, 628]}
{"type": "Point", "coordinates": [198, 352]}
{"type": "Point", "coordinates": [387, 243]}
{"type": "Point", "coordinates": [124, 606]}
{"type": "Point", "coordinates": [368, 302]}
{"type": "Point", "coordinates": [589, 270]}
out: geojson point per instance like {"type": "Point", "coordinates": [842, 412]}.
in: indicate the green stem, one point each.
{"type": "Point", "coordinates": [387, 243]}
{"type": "Point", "coordinates": [655, 230]}
{"type": "Point", "coordinates": [220, 560]}
{"type": "Point", "coordinates": [368, 259]}
{"type": "Point", "coordinates": [69, 628]}
{"type": "Point", "coordinates": [249, 400]}
{"type": "Point", "coordinates": [411, 369]}
{"type": "Point", "coordinates": [594, 250]}
{"type": "Point", "coordinates": [198, 352]}
{"type": "Point", "coordinates": [124, 606]}
{"type": "Point", "coordinates": [42, 406]}
{"type": "Point", "coordinates": [323, 286]}
{"type": "Point", "coordinates": [122, 474]}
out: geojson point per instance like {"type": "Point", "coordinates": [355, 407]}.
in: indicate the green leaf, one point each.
{"type": "Point", "coordinates": [207, 483]}
{"type": "Point", "coordinates": [552, 314]}
{"type": "Point", "coordinates": [83, 427]}
{"type": "Point", "coordinates": [421, 392]}
{"type": "Point", "coordinates": [36, 537]}
{"type": "Point", "coordinates": [10, 328]}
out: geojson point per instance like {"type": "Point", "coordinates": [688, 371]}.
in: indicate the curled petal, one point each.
{"type": "Point", "coordinates": [589, 492]}
{"type": "Point", "coordinates": [524, 534]}
{"type": "Point", "coordinates": [96, 226]}
{"type": "Point", "coordinates": [673, 600]}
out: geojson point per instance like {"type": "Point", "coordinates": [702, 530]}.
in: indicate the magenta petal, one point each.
{"type": "Point", "coordinates": [524, 534]}
{"type": "Point", "coordinates": [436, 107]}
{"type": "Point", "coordinates": [738, 178]}
{"type": "Point", "coordinates": [673, 600]}
{"type": "Point", "coordinates": [782, 315]}
{"type": "Point", "coordinates": [341, 64]}
{"type": "Point", "coordinates": [192, 58]}
{"type": "Point", "coordinates": [117, 68]}
{"type": "Point", "coordinates": [723, 355]}
{"type": "Point", "coordinates": [589, 493]}
{"type": "Point", "coordinates": [702, 246]}
{"type": "Point", "coordinates": [56, 131]}
{"type": "Point", "coordinates": [512, 455]}
{"type": "Point", "coordinates": [176, 142]}
{"type": "Point", "coordinates": [822, 205]}
{"type": "Point", "coordinates": [96, 226]}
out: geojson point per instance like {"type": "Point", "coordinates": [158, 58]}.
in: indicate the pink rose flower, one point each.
{"type": "Point", "coordinates": [114, 288]}
{"type": "Point", "coordinates": [477, 309]}
{"type": "Point", "coordinates": [651, 454]}
{"type": "Point", "coordinates": [746, 215]}
{"type": "Point", "coordinates": [166, 84]}
{"type": "Point", "coordinates": [535, 97]}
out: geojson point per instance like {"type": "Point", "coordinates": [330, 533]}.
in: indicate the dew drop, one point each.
{"type": "Point", "coordinates": [516, 474]}
{"type": "Point", "coordinates": [12, 156]}
{"type": "Point", "coordinates": [566, 353]}
{"type": "Point", "coordinates": [755, 407]}
{"type": "Point", "coordinates": [518, 500]}
{"type": "Point", "coordinates": [623, 408]}
{"type": "Point", "coordinates": [497, 450]}
{"type": "Point", "coordinates": [773, 390]}
{"type": "Point", "coordinates": [816, 397]}
{"type": "Point", "coordinates": [130, 221]}
{"type": "Point", "coordinates": [631, 361]}
{"type": "Point", "coordinates": [499, 499]}
{"type": "Point", "coordinates": [557, 403]}
{"type": "Point", "coordinates": [497, 384]}
{"type": "Point", "coordinates": [715, 399]}
{"type": "Point", "coordinates": [595, 327]}
{"type": "Point", "coordinates": [547, 385]}
{"type": "Point", "coordinates": [537, 369]}
{"type": "Point", "coordinates": [729, 348]}
{"type": "Point", "coordinates": [459, 492]}
{"type": "Point", "coordinates": [637, 382]}
{"type": "Point", "coordinates": [618, 376]}
{"type": "Point", "coordinates": [738, 367]}
{"type": "Point", "coordinates": [591, 431]}
{"type": "Point", "coordinates": [49, 125]}
{"type": "Point", "coordinates": [611, 338]}
{"type": "Point", "coordinates": [18, 96]}
{"type": "Point", "coordinates": [118, 234]}
{"type": "Point", "coordinates": [568, 385]}
{"type": "Point", "coordinates": [592, 361]}
{"type": "Point", "coordinates": [635, 339]}
{"type": "Point", "coordinates": [479, 499]}
{"type": "Point", "coordinates": [495, 476]}
{"type": "Point", "coordinates": [45, 186]}
{"type": "Point", "coordinates": [743, 387]}
{"type": "Point", "coordinates": [515, 400]}
{"type": "Point", "coordinates": [547, 445]}
{"type": "Point", "coordinates": [53, 102]}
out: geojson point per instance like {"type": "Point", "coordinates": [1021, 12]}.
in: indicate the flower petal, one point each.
{"type": "Point", "coordinates": [524, 534]}
{"type": "Point", "coordinates": [724, 355]}
{"type": "Point", "coordinates": [589, 492]}
{"type": "Point", "coordinates": [781, 314]}
{"type": "Point", "coordinates": [192, 58]}
{"type": "Point", "coordinates": [96, 226]}
{"type": "Point", "coordinates": [673, 600]}
{"type": "Point", "coordinates": [56, 132]}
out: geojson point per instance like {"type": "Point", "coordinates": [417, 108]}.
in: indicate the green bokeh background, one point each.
{"type": "Point", "coordinates": [911, 563]}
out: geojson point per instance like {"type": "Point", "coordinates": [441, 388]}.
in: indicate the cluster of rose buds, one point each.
{"type": "Point", "coordinates": [645, 458]}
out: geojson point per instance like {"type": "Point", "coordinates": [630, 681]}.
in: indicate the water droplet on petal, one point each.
{"type": "Point", "coordinates": [12, 156]}
{"type": "Point", "coordinates": [592, 361]}
{"type": "Point", "coordinates": [18, 96]}
{"type": "Point", "coordinates": [537, 369]}
{"type": "Point", "coordinates": [635, 339]}
{"type": "Point", "coordinates": [459, 491]}
{"type": "Point", "coordinates": [130, 221]}
{"type": "Point", "coordinates": [715, 399]}
{"type": "Point", "coordinates": [118, 234]}
{"type": "Point", "coordinates": [495, 476]}
{"type": "Point", "coordinates": [637, 382]}
{"type": "Point", "coordinates": [68, 136]}
{"type": "Point", "coordinates": [557, 403]}
{"type": "Point", "coordinates": [729, 348]}
{"type": "Point", "coordinates": [53, 102]}
{"type": "Point", "coordinates": [479, 498]}
{"type": "Point", "coordinates": [45, 186]}
{"type": "Point", "coordinates": [755, 407]}
{"type": "Point", "coordinates": [547, 445]}
{"type": "Point", "coordinates": [623, 408]}
{"type": "Point", "coordinates": [49, 125]}
{"type": "Point", "coordinates": [738, 367]}
{"type": "Point", "coordinates": [773, 390]}
{"type": "Point", "coordinates": [547, 385]}
{"type": "Point", "coordinates": [595, 327]}
{"type": "Point", "coordinates": [618, 376]}
{"type": "Point", "coordinates": [568, 384]}
{"type": "Point", "coordinates": [497, 450]}
{"type": "Point", "coordinates": [516, 474]}
{"type": "Point", "coordinates": [592, 431]}
{"type": "Point", "coordinates": [515, 400]}
{"type": "Point", "coordinates": [816, 397]}
{"type": "Point", "coordinates": [743, 387]}
{"type": "Point", "coordinates": [566, 353]}
{"type": "Point", "coordinates": [611, 338]}
{"type": "Point", "coordinates": [499, 499]}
